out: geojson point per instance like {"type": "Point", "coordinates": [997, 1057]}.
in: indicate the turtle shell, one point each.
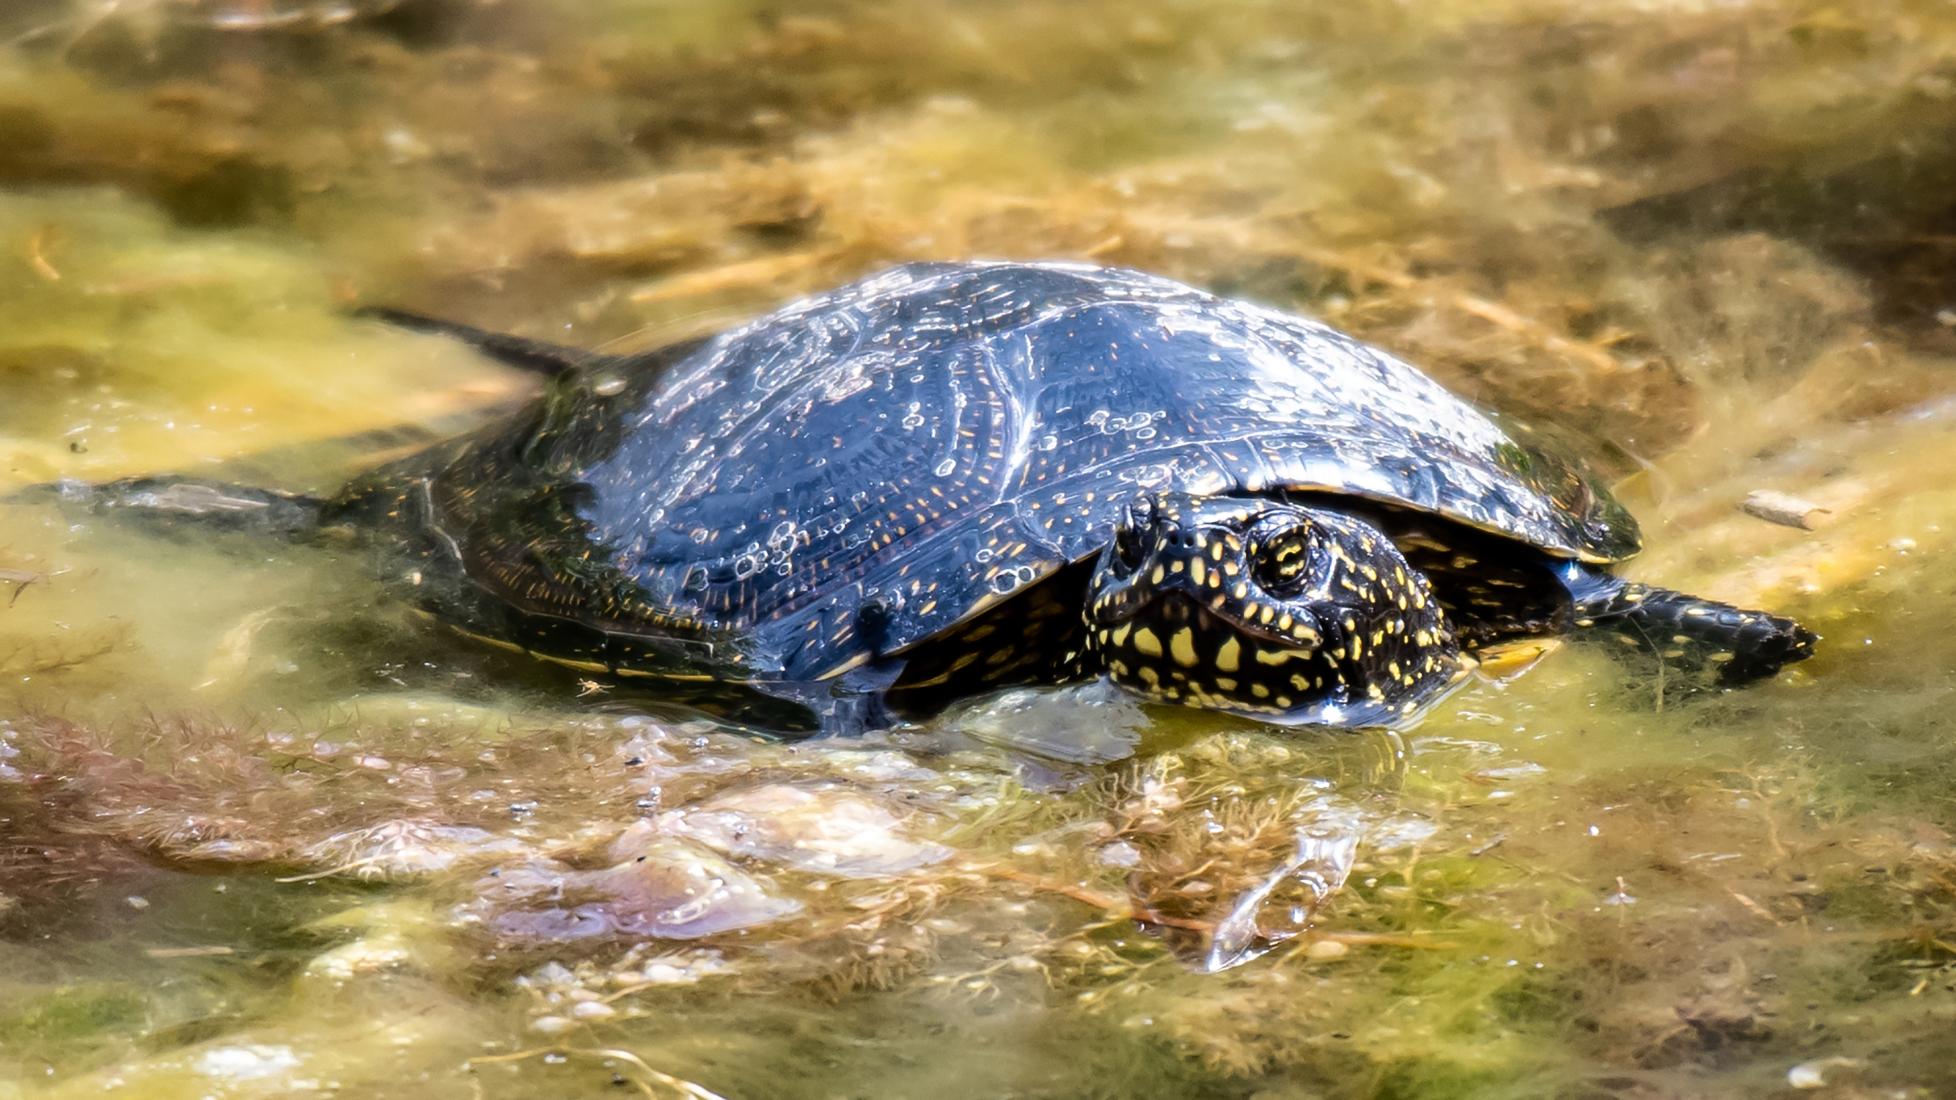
{"type": "Point", "coordinates": [862, 470]}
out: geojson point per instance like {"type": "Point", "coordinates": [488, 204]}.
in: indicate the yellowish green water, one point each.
{"type": "Point", "coordinates": [262, 836]}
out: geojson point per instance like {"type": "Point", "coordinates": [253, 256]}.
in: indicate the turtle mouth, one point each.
{"type": "Point", "coordinates": [1181, 652]}
{"type": "Point", "coordinates": [1173, 610]}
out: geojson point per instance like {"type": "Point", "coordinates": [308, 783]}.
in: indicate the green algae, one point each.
{"type": "Point", "coordinates": [254, 822]}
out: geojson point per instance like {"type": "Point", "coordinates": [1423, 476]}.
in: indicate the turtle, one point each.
{"type": "Point", "coordinates": [952, 477]}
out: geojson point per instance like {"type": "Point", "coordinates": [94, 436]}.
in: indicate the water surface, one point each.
{"type": "Point", "coordinates": [263, 835]}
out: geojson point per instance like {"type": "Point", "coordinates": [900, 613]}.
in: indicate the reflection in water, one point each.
{"type": "Point", "coordinates": [260, 832]}
{"type": "Point", "coordinates": [1282, 905]}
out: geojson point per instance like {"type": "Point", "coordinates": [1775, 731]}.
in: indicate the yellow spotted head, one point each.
{"type": "Point", "coordinates": [1260, 606]}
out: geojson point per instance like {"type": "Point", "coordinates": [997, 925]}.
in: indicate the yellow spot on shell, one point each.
{"type": "Point", "coordinates": [571, 662]}
{"type": "Point", "coordinates": [485, 639]}
{"type": "Point", "coordinates": [1146, 643]}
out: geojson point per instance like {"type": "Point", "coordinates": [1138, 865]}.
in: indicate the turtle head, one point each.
{"type": "Point", "coordinates": [1264, 607]}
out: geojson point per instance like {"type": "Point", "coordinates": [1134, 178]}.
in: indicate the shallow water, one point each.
{"type": "Point", "coordinates": [261, 834]}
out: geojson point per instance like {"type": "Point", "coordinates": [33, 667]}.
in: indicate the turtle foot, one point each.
{"type": "Point", "coordinates": [1741, 645]}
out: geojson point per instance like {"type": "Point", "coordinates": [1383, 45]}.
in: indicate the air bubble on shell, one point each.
{"type": "Point", "coordinates": [945, 468]}
{"type": "Point", "coordinates": [1006, 580]}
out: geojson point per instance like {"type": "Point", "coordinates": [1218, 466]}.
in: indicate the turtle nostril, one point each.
{"type": "Point", "coordinates": [1129, 548]}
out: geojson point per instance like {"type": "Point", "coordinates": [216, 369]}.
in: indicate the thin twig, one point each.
{"type": "Point", "coordinates": [1090, 896]}
{"type": "Point", "coordinates": [37, 254]}
{"type": "Point", "coordinates": [678, 1084]}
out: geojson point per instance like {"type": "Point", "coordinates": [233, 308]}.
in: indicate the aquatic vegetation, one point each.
{"type": "Point", "coordinates": [259, 833]}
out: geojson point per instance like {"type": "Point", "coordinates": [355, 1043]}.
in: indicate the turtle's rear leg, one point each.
{"type": "Point", "coordinates": [1740, 645]}
{"type": "Point", "coordinates": [185, 504]}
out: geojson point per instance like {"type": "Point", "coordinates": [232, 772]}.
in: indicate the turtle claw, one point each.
{"type": "Point", "coordinates": [1505, 662]}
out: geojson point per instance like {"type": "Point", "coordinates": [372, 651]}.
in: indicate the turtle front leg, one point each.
{"type": "Point", "coordinates": [1741, 645]}
{"type": "Point", "coordinates": [849, 704]}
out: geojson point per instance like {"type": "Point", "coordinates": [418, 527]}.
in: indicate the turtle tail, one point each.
{"type": "Point", "coordinates": [184, 504]}
{"type": "Point", "coordinates": [534, 356]}
{"type": "Point", "coordinates": [1703, 634]}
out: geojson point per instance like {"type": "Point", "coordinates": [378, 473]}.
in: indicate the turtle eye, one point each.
{"type": "Point", "coordinates": [1282, 555]}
